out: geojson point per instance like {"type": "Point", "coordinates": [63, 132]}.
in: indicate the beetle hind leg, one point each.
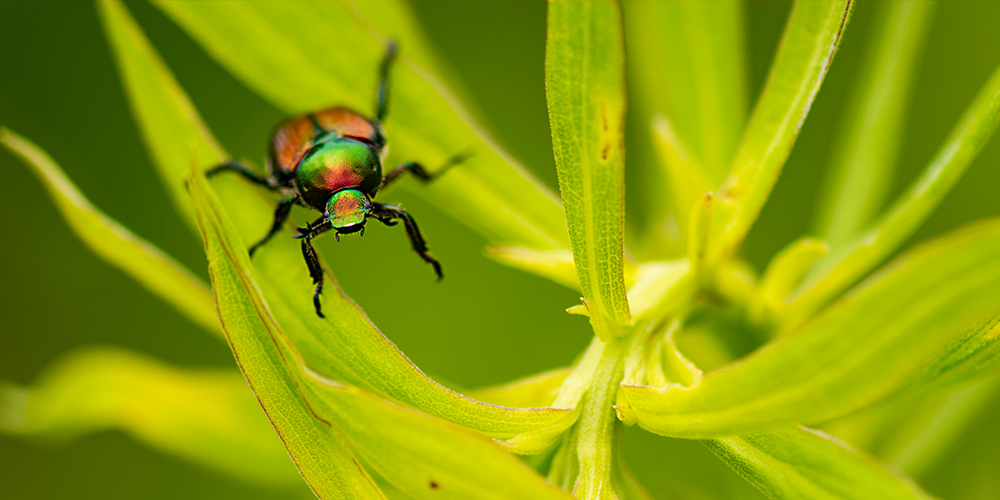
{"type": "Point", "coordinates": [382, 92]}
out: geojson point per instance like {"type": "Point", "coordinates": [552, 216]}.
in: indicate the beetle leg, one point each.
{"type": "Point", "coordinates": [247, 173]}
{"type": "Point", "coordinates": [306, 234]}
{"type": "Point", "coordinates": [315, 272]}
{"type": "Point", "coordinates": [382, 92]}
{"type": "Point", "coordinates": [420, 172]}
{"type": "Point", "coordinates": [280, 216]}
{"type": "Point", "coordinates": [389, 214]}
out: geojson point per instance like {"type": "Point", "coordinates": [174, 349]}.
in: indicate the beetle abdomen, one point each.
{"type": "Point", "coordinates": [294, 137]}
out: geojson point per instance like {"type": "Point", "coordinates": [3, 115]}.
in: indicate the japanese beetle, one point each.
{"type": "Point", "coordinates": [331, 161]}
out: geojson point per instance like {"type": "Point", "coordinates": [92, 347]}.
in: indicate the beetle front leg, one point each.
{"type": "Point", "coordinates": [315, 272]}
{"type": "Point", "coordinates": [312, 260]}
{"type": "Point", "coordinates": [247, 173]}
{"type": "Point", "coordinates": [389, 214]}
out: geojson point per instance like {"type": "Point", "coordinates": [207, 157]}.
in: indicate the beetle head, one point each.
{"type": "Point", "coordinates": [346, 210]}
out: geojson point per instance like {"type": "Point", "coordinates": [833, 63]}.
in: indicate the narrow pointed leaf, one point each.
{"type": "Point", "coordinates": [782, 274]}
{"type": "Point", "coordinates": [318, 450]}
{"type": "Point", "coordinates": [973, 354]}
{"type": "Point", "coordinates": [914, 433]}
{"type": "Point", "coordinates": [689, 63]}
{"type": "Point", "coordinates": [537, 390]}
{"type": "Point", "coordinates": [294, 54]}
{"type": "Point", "coordinates": [861, 349]}
{"type": "Point", "coordinates": [810, 40]}
{"type": "Point", "coordinates": [346, 347]}
{"type": "Point", "coordinates": [584, 83]}
{"type": "Point", "coordinates": [423, 456]}
{"type": "Point", "coordinates": [865, 154]}
{"type": "Point", "coordinates": [856, 258]}
{"type": "Point", "coordinates": [115, 244]}
{"type": "Point", "coordinates": [556, 265]}
{"type": "Point", "coordinates": [171, 128]}
{"type": "Point", "coordinates": [797, 463]}
{"type": "Point", "coordinates": [207, 416]}
{"type": "Point", "coordinates": [687, 182]}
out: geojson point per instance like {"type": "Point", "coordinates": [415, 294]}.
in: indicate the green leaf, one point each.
{"type": "Point", "coordinates": [689, 63]}
{"type": "Point", "coordinates": [853, 260]}
{"type": "Point", "coordinates": [802, 463]}
{"type": "Point", "coordinates": [556, 265]}
{"type": "Point", "coordinates": [421, 455]}
{"type": "Point", "coordinates": [687, 182]}
{"type": "Point", "coordinates": [346, 347]}
{"type": "Point", "coordinates": [309, 55]}
{"type": "Point", "coordinates": [807, 47]}
{"type": "Point", "coordinates": [208, 415]}
{"type": "Point", "coordinates": [115, 244]}
{"type": "Point", "coordinates": [865, 153]}
{"type": "Point", "coordinates": [782, 274]}
{"type": "Point", "coordinates": [972, 354]}
{"type": "Point", "coordinates": [534, 391]}
{"type": "Point", "coordinates": [914, 433]}
{"type": "Point", "coordinates": [318, 450]}
{"type": "Point", "coordinates": [584, 83]}
{"type": "Point", "coordinates": [426, 457]}
{"type": "Point", "coordinates": [171, 128]}
{"type": "Point", "coordinates": [859, 350]}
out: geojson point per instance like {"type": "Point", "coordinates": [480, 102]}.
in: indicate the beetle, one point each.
{"type": "Point", "coordinates": [331, 161]}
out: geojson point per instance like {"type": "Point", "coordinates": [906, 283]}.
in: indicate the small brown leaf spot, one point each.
{"type": "Point", "coordinates": [434, 485]}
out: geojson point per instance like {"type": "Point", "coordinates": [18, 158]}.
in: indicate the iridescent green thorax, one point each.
{"type": "Point", "coordinates": [347, 209]}
{"type": "Point", "coordinates": [336, 163]}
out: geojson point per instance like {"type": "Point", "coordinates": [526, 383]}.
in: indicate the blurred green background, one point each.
{"type": "Point", "coordinates": [485, 323]}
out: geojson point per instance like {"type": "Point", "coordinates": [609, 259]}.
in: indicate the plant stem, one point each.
{"type": "Point", "coordinates": [595, 429]}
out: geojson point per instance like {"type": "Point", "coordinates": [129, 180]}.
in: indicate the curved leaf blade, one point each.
{"type": "Point", "coordinates": [584, 85]}
{"type": "Point", "coordinates": [537, 390]}
{"type": "Point", "coordinates": [148, 265]}
{"type": "Point", "coordinates": [320, 453]}
{"type": "Point", "coordinates": [856, 258]}
{"type": "Point", "coordinates": [172, 130]}
{"type": "Point", "coordinates": [207, 416]}
{"type": "Point", "coordinates": [869, 144]}
{"type": "Point", "coordinates": [859, 350]}
{"type": "Point", "coordinates": [278, 50]}
{"type": "Point", "coordinates": [973, 354]}
{"type": "Point", "coordinates": [808, 45]}
{"type": "Point", "coordinates": [423, 456]}
{"type": "Point", "coordinates": [806, 464]}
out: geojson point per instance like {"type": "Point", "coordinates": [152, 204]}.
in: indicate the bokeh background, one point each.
{"type": "Point", "coordinates": [485, 323]}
